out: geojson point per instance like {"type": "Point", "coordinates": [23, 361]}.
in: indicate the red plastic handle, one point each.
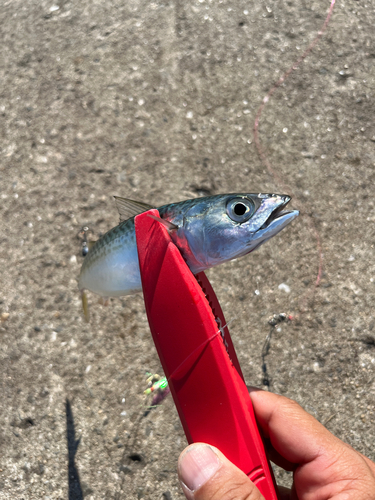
{"type": "Point", "coordinates": [198, 358]}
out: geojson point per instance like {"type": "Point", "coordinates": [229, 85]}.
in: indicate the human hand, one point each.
{"type": "Point", "coordinates": [324, 467]}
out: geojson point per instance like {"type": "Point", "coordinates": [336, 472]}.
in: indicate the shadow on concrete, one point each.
{"type": "Point", "coordinates": [75, 490]}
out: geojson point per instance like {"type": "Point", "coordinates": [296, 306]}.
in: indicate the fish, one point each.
{"type": "Point", "coordinates": [208, 231]}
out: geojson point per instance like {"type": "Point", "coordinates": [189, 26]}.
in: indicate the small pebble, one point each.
{"type": "Point", "coordinates": [4, 316]}
{"type": "Point", "coordinates": [284, 287]}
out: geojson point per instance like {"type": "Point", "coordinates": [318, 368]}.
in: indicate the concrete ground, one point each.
{"type": "Point", "coordinates": [156, 101]}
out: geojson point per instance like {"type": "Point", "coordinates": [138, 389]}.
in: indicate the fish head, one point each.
{"type": "Point", "coordinates": [220, 228]}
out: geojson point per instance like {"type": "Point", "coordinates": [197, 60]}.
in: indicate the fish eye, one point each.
{"type": "Point", "coordinates": [240, 209]}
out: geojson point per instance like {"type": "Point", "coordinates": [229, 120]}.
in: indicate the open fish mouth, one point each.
{"type": "Point", "coordinates": [277, 220]}
{"type": "Point", "coordinates": [278, 214]}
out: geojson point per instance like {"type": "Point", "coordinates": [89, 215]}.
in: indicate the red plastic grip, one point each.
{"type": "Point", "coordinates": [197, 356]}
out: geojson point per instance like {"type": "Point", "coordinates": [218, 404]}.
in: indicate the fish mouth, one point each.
{"type": "Point", "coordinates": [277, 220]}
{"type": "Point", "coordinates": [279, 213]}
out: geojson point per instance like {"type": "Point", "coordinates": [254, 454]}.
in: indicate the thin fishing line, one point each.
{"type": "Point", "coordinates": [267, 163]}
{"type": "Point", "coordinates": [222, 328]}
{"type": "Point", "coordinates": [200, 347]}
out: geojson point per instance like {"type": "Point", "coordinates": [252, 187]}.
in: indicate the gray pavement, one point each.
{"type": "Point", "coordinates": [156, 101]}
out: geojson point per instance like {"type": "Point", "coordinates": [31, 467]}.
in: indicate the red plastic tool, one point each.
{"type": "Point", "coordinates": [197, 354]}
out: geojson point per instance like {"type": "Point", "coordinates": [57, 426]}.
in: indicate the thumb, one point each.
{"type": "Point", "coordinates": [206, 474]}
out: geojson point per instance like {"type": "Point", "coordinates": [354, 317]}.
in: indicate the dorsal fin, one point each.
{"type": "Point", "coordinates": [129, 208]}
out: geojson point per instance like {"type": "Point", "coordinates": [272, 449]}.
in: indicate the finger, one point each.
{"type": "Point", "coordinates": [277, 458]}
{"type": "Point", "coordinates": [369, 463]}
{"type": "Point", "coordinates": [206, 474]}
{"type": "Point", "coordinates": [295, 435]}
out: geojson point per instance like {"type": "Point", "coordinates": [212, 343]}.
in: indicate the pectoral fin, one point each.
{"type": "Point", "coordinates": [169, 225]}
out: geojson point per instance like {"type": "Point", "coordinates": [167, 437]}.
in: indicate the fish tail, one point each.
{"type": "Point", "coordinates": [85, 305]}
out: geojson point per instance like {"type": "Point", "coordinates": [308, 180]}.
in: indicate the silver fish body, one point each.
{"type": "Point", "coordinates": [208, 231]}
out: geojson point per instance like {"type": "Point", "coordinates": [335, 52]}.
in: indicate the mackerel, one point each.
{"type": "Point", "coordinates": [208, 231]}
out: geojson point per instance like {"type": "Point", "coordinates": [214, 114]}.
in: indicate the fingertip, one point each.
{"type": "Point", "coordinates": [265, 402]}
{"type": "Point", "coordinates": [196, 465]}
{"type": "Point", "coordinates": [252, 388]}
{"type": "Point", "coordinates": [206, 474]}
